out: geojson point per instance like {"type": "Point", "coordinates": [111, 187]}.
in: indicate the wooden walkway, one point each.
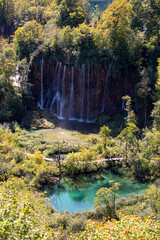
{"type": "Point", "coordinates": [99, 160]}
{"type": "Point", "coordinates": [63, 159]}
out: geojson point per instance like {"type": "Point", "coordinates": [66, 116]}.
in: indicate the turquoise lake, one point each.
{"type": "Point", "coordinates": [79, 194]}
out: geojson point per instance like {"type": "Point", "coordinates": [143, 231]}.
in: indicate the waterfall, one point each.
{"type": "Point", "coordinates": [40, 104]}
{"type": "Point", "coordinates": [82, 92]}
{"type": "Point", "coordinates": [125, 91]}
{"type": "Point", "coordinates": [88, 94]}
{"type": "Point", "coordinates": [62, 101]}
{"type": "Point", "coordinates": [51, 88]}
{"type": "Point", "coordinates": [58, 93]}
{"type": "Point", "coordinates": [15, 79]}
{"type": "Point", "coordinates": [123, 104]}
{"type": "Point", "coordinates": [52, 92]}
{"type": "Point", "coordinates": [28, 69]}
{"type": "Point", "coordinates": [71, 105]}
{"type": "Point", "coordinates": [105, 89]}
{"type": "Point", "coordinates": [58, 90]}
{"type": "Point", "coordinates": [41, 84]}
{"type": "Point", "coordinates": [96, 92]}
{"type": "Point", "coordinates": [55, 76]}
{"type": "Point", "coordinates": [56, 82]}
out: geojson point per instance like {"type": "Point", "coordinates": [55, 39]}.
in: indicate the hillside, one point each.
{"type": "Point", "coordinates": [79, 119]}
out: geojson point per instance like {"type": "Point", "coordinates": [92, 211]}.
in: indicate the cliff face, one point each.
{"type": "Point", "coordinates": [80, 93]}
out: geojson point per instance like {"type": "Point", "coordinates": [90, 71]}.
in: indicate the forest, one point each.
{"type": "Point", "coordinates": [79, 112]}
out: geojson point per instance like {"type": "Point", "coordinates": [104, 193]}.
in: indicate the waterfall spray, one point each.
{"type": "Point", "coordinates": [58, 90]}
{"type": "Point", "coordinates": [105, 89]}
{"type": "Point", "coordinates": [54, 88]}
{"type": "Point", "coordinates": [40, 103]}
{"type": "Point", "coordinates": [71, 105]}
{"type": "Point", "coordinates": [62, 100]}
{"type": "Point", "coordinates": [82, 92]}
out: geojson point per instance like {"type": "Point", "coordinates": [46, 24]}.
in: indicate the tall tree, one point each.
{"type": "Point", "coordinates": [116, 23]}
{"type": "Point", "coordinates": [72, 12]}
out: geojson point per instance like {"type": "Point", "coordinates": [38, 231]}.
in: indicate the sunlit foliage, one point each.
{"type": "Point", "coordinates": [23, 214]}
{"type": "Point", "coordinates": [126, 228]}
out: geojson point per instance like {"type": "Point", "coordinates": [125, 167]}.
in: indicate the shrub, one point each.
{"type": "Point", "coordinates": [37, 157]}
{"type": "Point", "coordinates": [80, 162]}
{"type": "Point", "coordinates": [129, 227]}
{"type": "Point", "coordinates": [22, 213]}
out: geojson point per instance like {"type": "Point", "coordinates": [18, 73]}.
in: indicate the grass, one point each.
{"type": "Point", "coordinates": [73, 137]}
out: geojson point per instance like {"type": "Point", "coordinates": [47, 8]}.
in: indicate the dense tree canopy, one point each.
{"type": "Point", "coordinates": [126, 35]}
{"type": "Point", "coordinates": [11, 106]}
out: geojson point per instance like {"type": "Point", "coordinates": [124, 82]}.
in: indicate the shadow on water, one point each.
{"type": "Point", "coordinates": [82, 127]}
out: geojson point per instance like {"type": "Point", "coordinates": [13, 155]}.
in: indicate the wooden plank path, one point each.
{"type": "Point", "coordinates": [63, 159]}
{"type": "Point", "coordinates": [110, 159]}
{"type": "Point", "coordinates": [100, 160]}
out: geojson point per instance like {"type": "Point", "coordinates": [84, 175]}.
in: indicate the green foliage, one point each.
{"type": "Point", "coordinates": [150, 144]}
{"type": "Point", "coordinates": [7, 15]}
{"type": "Point", "coordinates": [21, 213]}
{"type": "Point", "coordinates": [28, 38]}
{"type": "Point", "coordinates": [107, 197]}
{"type": "Point", "coordinates": [158, 82]}
{"type": "Point", "coordinates": [104, 133]}
{"type": "Point", "coordinates": [80, 162]}
{"type": "Point", "coordinates": [156, 111]}
{"type": "Point", "coordinates": [68, 223]}
{"type": "Point", "coordinates": [36, 170]}
{"type": "Point", "coordinates": [116, 21]}
{"type": "Point", "coordinates": [72, 13]}
{"type": "Point", "coordinates": [127, 227]}
{"type": "Point", "coordinates": [49, 147]}
{"type": "Point", "coordinates": [126, 35]}
{"type": "Point", "coordinates": [131, 117]}
{"type": "Point", "coordinates": [153, 198]}
{"type": "Point", "coordinates": [10, 99]}
{"type": "Point", "coordinates": [10, 152]}
{"type": "Point", "coordinates": [156, 115]}
{"type": "Point", "coordinates": [14, 161]}
{"type": "Point", "coordinates": [37, 157]}
{"type": "Point", "coordinates": [128, 136]}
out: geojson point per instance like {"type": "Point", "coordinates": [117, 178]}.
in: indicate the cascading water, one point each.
{"type": "Point", "coordinates": [51, 90]}
{"type": "Point", "coordinates": [82, 93]}
{"type": "Point", "coordinates": [28, 69]}
{"type": "Point", "coordinates": [16, 78]}
{"type": "Point", "coordinates": [62, 101]}
{"type": "Point", "coordinates": [123, 104]}
{"type": "Point", "coordinates": [40, 103]}
{"type": "Point", "coordinates": [71, 106]}
{"type": "Point", "coordinates": [73, 94]}
{"type": "Point", "coordinates": [105, 89]}
{"type": "Point", "coordinates": [88, 94]}
{"type": "Point", "coordinates": [58, 91]}
{"type": "Point", "coordinates": [56, 97]}
{"type": "Point", "coordinates": [96, 87]}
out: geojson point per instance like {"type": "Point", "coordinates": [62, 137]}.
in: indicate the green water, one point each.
{"type": "Point", "coordinates": [79, 194]}
{"type": "Point", "coordinates": [102, 4]}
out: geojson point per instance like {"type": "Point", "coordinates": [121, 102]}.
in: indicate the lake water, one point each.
{"type": "Point", "coordinates": [79, 194]}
